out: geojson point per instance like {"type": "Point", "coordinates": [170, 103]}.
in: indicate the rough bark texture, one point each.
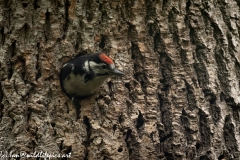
{"type": "Point", "coordinates": [180, 96]}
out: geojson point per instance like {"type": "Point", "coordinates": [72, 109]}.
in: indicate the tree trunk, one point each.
{"type": "Point", "coordinates": [179, 99]}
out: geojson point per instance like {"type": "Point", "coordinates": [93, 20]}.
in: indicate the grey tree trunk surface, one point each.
{"type": "Point", "coordinates": [179, 99]}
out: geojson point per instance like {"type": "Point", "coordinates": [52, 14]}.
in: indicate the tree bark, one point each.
{"type": "Point", "coordinates": [179, 99]}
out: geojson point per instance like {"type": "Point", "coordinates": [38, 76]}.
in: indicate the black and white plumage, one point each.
{"type": "Point", "coordinates": [83, 75]}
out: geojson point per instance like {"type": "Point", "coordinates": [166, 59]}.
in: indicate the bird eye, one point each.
{"type": "Point", "coordinates": [104, 66]}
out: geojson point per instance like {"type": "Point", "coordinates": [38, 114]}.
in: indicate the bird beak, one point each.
{"type": "Point", "coordinates": [116, 72]}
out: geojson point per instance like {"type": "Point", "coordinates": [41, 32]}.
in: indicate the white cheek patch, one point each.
{"type": "Point", "coordinates": [86, 66]}
{"type": "Point", "coordinates": [95, 66]}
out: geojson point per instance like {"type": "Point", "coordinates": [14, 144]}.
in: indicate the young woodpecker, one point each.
{"type": "Point", "coordinates": [83, 75]}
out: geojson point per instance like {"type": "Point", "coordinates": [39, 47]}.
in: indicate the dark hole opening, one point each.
{"type": "Point", "coordinates": [120, 149]}
{"type": "Point", "coordinates": [24, 5]}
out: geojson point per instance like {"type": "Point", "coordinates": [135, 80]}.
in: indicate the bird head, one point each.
{"type": "Point", "coordinates": [102, 65]}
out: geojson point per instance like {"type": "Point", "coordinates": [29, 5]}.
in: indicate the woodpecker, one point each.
{"type": "Point", "coordinates": [83, 75]}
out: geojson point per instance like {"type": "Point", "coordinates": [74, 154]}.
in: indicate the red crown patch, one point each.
{"type": "Point", "coordinates": [105, 58]}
